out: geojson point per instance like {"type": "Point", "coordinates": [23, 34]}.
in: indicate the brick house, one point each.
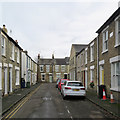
{"type": "Point", "coordinates": [11, 60]}
{"type": "Point", "coordinates": [81, 67]}
{"type": "Point", "coordinates": [92, 64]}
{"type": "Point", "coordinates": [73, 61]}
{"type": "Point", "coordinates": [28, 69]}
{"type": "Point", "coordinates": [34, 72]}
{"type": "Point", "coordinates": [50, 70]}
{"type": "Point", "coordinates": [109, 54]}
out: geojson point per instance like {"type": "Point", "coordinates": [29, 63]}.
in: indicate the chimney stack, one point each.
{"type": "Point", "coordinates": [4, 29]}
{"type": "Point", "coordinates": [38, 56]}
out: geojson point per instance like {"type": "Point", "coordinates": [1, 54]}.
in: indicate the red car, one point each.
{"type": "Point", "coordinates": [61, 83]}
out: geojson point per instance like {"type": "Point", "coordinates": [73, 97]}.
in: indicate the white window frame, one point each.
{"type": "Point", "coordinates": [47, 68]}
{"type": "Point", "coordinates": [85, 56]}
{"type": "Point", "coordinates": [56, 68]}
{"type": "Point", "coordinates": [105, 40]}
{"type": "Point", "coordinates": [17, 75]}
{"type": "Point", "coordinates": [3, 47]}
{"type": "Point", "coordinates": [42, 66]}
{"type": "Point", "coordinates": [18, 56]}
{"type": "Point", "coordinates": [92, 73]}
{"type": "Point", "coordinates": [115, 76]}
{"type": "Point", "coordinates": [62, 68]}
{"type": "Point", "coordinates": [117, 32]}
{"type": "Point", "coordinates": [92, 52]}
{"type": "Point", "coordinates": [13, 52]}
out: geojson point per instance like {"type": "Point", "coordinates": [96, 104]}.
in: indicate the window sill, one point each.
{"type": "Point", "coordinates": [92, 61]}
{"type": "Point", "coordinates": [4, 56]}
{"type": "Point", "coordinates": [117, 45]}
{"type": "Point", "coordinates": [18, 62]}
{"type": "Point", "coordinates": [12, 59]}
{"type": "Point", "coordinates": [105, 51]}
{"type": "Point", "coordinates": [17, 84]}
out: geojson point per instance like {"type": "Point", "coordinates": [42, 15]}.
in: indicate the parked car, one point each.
{"type": "Point", "coordinates": [73, 88]}
{"type": "Point", "coordinates": [61, 83]}
{"type": "Point", "coordinates": [58, 80]}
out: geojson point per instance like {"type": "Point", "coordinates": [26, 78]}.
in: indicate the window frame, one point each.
{"type": "Point", "coordinates": [114, 75]}
{"type": "Point", "coordinates": [3, 47]}
{"type": "Point", "coordinates": [117, 31]}
{"type": "Point", "coordinates": [48, 68]}
{"type": "Point", "coordinates": [42, 66]}
{"type": "Point", "coordinates": [105, 38]}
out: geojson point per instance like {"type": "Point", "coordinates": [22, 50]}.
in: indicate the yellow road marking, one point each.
{"type": "Point", "coordinates": [11, 114]}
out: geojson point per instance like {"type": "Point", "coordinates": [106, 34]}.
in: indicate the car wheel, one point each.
{"type": "Point", "coordinates": [64, 97]}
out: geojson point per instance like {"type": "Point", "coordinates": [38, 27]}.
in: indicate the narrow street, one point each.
{"type": "Point", "coordinates": [47, 102]}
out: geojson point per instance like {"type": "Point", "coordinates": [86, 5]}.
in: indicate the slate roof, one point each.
{"type": "Point", "coordinates": [79, 47]}
{"type": "Point", "coordinates": [57, 61]}
{"type": "Point", "coordinates": [111, 19]}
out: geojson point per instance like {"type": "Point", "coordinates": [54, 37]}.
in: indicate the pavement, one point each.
{"type": "Point", "coordinates": [9, 101]}
{"type": "Point", "coordinates": [112, 108]}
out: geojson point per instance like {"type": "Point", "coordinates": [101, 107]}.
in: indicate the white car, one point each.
{"type": "Point", "coordinates": [73, 88]}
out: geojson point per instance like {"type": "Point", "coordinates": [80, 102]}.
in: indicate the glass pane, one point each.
{"type": "Point", "coordinates": [118, 68]}
{"type": "Point", "coordinates": [119, 25]}
{"type": "Point", "coordinates": [75, 84]}
{"type": "Point", "coordinates": [113, 65]}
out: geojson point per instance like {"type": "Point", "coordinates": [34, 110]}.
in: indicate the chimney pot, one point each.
{"type": "Point", "coordinates": [16, 41]}
{"type": "Point", "coordinates": [4, 29]}
{"type": "Point", "coordinates": [38, 56]}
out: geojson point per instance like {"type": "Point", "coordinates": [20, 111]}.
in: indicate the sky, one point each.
{"type": "Point", "coordinates": [51, 26]}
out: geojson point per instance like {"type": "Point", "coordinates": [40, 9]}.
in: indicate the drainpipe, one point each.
{"type": "Point", "coordinates": [97, 64]}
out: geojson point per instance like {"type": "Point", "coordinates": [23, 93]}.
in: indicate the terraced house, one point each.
{"type": "Point", "coordinates": [75, 49]}
{"type": "Point", "coordinates": [10, 63]}
{"type": "Point", "coordinates": [29, 69]}
{"type": "Point", "coordinates": [81, 67]}
{"type": "Point", "coordinates": [109, 54]}
{"type": "Point", "coordinates": [52, 69]}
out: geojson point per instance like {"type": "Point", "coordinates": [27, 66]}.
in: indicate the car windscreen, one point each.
{"type": "Point", "coordinates": [62, 81]}
{"type": "Point", "coordinates": [75, 84]}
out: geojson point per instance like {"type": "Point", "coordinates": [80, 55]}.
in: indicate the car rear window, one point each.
{"type": "Point", "coordinates": [74, 84]}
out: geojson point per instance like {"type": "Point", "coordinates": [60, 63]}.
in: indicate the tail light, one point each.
{"type": "Point", "coordinates": [67, 88]}
{"type": "Point", "coordinates": [82, 88]}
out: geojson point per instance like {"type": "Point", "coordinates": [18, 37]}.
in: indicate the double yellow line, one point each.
{"type": "Point", "coordinates": [13, 112]}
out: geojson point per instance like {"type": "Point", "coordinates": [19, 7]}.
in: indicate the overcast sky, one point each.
{"type": "Point", "coordinates": [52, 27]}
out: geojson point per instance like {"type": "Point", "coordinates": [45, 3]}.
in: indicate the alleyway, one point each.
{"type": "Point", "coordinates": [47, 102]}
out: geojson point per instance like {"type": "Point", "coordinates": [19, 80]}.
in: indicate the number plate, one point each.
{"type": "Point", "coordinates": [76, 90]}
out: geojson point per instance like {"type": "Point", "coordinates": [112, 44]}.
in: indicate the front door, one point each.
{"type": "Point", "coordinates": [86, 80]}
{"type": "Point", "coordinates": [101, 75]}
{"type": "Point", "coordinates": [10, 80]}
{"type": "Point", "coordinates": [50, 79]}
{"type": "Point", "coordinates": [5, 78]}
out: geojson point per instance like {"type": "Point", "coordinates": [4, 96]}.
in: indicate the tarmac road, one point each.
{"type": "Point", "coordinates": [47, 102]}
